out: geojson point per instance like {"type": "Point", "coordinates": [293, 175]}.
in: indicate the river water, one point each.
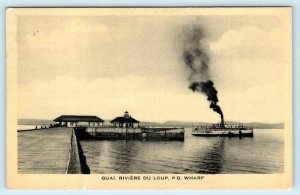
{"type": "Point", "coordinates": [264, 153]}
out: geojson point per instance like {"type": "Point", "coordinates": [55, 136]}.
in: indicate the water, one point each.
{"type": "Point", "coordinates": [264, 153]}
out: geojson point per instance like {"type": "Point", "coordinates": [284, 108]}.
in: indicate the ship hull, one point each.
{"type": "Point", "coordinates": [223, 133]}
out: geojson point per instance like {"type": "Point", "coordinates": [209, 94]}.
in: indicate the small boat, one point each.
{"type": "Point", "coordinates": [223, 130]}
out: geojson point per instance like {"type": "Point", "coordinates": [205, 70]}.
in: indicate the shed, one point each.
{"type": "Point", "coordinates": [79, 121]}
{"type": "Point", "coordinates": [125, 121]}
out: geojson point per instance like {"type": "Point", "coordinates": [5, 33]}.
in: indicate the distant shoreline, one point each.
{"type": "Point", "coordinates": [255, 125]}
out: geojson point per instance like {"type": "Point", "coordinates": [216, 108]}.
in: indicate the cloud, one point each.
{"type": "Point", "coordinates": [147, 100]}
{"type": "Point", "coordinates": [259, 103]}
{"type": "Point", "coordinates": [92, 47]}
{"type": "Point", "coordinates": [248, 41]}
{"type": "Point", "coordinates": [69, 33]}
{"type": "Point", "coordinates": [87, 67]}
{"type": "Point", "coordinates": [247, 65]}
{"type": "Point", "coordinates": [106, 97]}
{"type": "Point", "coordinates": [247, 57]}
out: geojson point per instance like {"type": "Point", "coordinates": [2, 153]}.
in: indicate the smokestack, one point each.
{"type": "Point", "coordinates": [222, 121]}
{"type": "Point", "coordinates": [196, 59]}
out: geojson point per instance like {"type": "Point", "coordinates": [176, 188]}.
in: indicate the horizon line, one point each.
{"type": "Point", "coordinates": [171, 121]}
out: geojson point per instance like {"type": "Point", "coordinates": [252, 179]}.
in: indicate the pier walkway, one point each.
{"type": "Point", "coordinates": [44, 151]}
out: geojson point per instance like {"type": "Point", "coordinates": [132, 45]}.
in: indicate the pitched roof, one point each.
{"type": "Point", "coordinates": [124, 120]}
{"type": "Point", "coordinates": [77, 118]}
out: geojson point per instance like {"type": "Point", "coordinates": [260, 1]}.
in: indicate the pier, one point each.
{"type": "Point", "coordinates": [131, 133]}
{"type": "Point", "coordinates": [57, 150]}
{"type": "Point", "coordinates": [121, 128]}
{"type": "Point", "coordinates": [51, 151]}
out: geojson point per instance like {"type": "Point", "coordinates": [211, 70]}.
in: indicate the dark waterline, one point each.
{"type": "Point", "coordinates": [264, 153]}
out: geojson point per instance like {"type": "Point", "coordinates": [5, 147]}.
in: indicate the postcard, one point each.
{"type": "Point", "coordinates": [149, 98]}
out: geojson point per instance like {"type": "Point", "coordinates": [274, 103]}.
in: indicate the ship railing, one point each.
{"type": "Point", "coordinates": [221, 126]}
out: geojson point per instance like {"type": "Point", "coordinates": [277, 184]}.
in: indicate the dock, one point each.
{"type": "Point", "coordinates": [57, 150]}
{"type": "Point", "coordinates": [138, 133]}
{"type": "Point", "coordinates": [120, 128]}
{"type": "Point", "coordinates": [51, 151]}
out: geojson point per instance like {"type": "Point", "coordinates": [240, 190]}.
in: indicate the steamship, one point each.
{"type": "Point", "coordinates": [223, 130]}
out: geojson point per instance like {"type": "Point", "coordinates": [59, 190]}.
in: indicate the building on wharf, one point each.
{"type": "Point", "coordinates": [78, 121]}
{"type": "Point", "coordinates": [125, 121]}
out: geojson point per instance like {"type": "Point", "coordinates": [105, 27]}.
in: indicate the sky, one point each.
{"type": "Point", "coordinates": [105, 65]}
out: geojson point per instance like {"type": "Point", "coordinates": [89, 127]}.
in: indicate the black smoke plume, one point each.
{"type": "Point", "coordinates": [196, 59]}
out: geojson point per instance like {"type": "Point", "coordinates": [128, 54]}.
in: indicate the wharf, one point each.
{"type": "Point", "coordinates": [139, 133]}
{"type": "Point", "coordinates": [44, 151]}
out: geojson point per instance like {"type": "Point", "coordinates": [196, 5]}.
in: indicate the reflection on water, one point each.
{"type": "Point", "coordinates": [261, 154]}
{"type": "Point", "coordinates": [212, 158]}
